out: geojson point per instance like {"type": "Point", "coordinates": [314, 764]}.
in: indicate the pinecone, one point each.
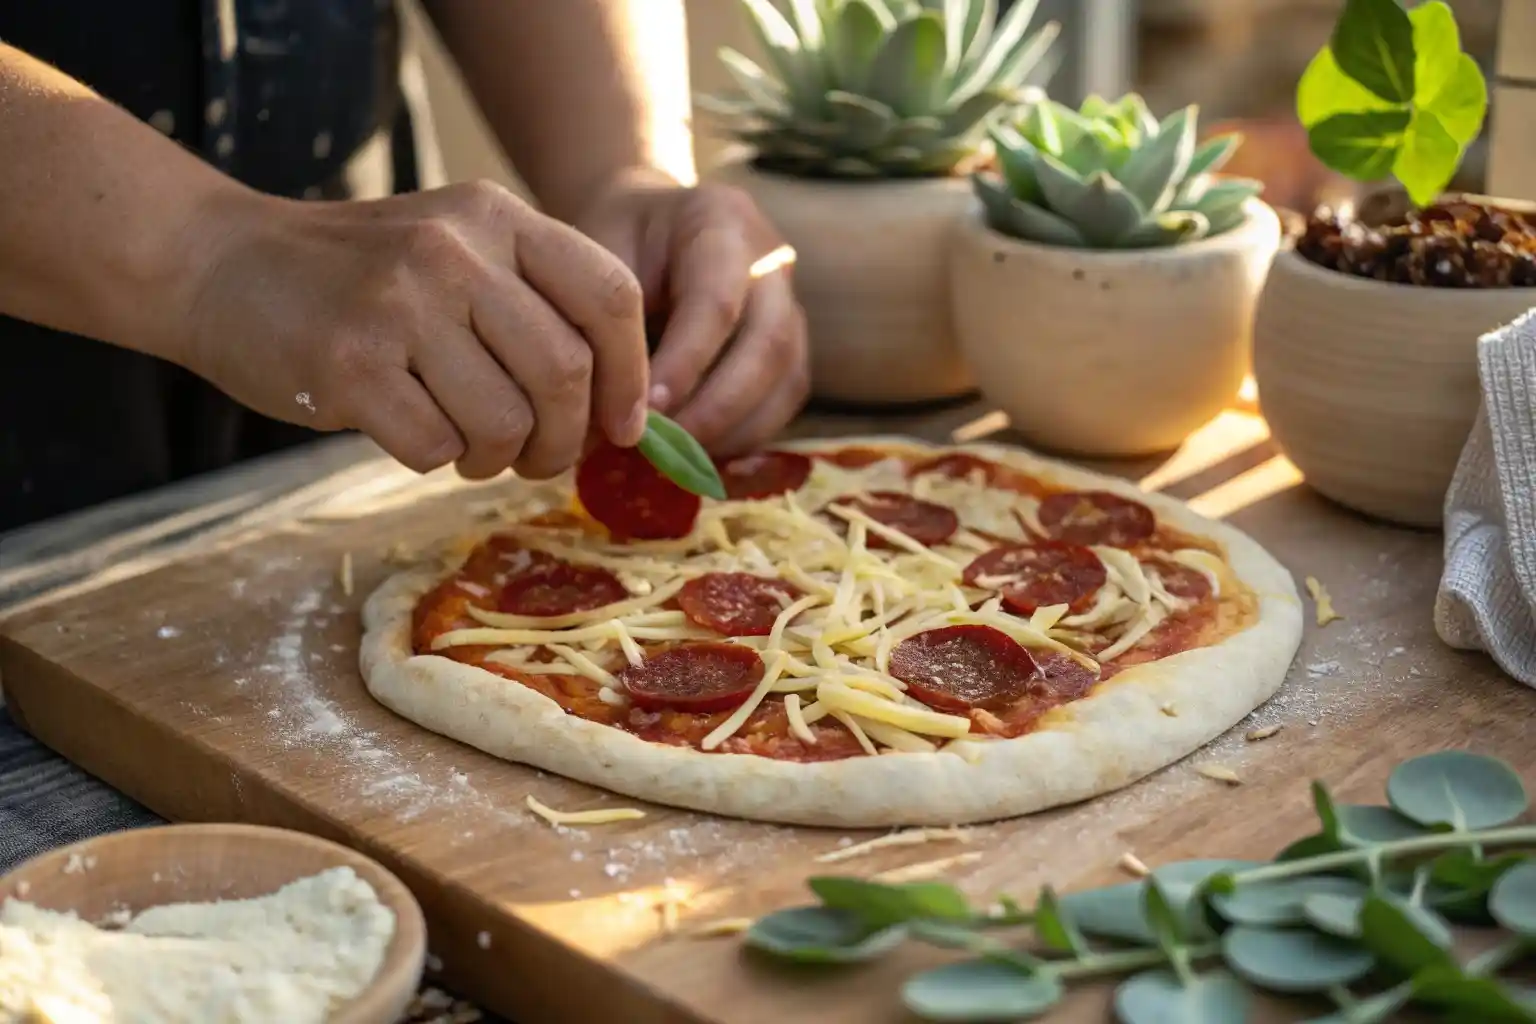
{"type": "Point", "coordinates": [1456, 243]}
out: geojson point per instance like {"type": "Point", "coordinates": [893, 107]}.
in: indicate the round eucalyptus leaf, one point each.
{"type": "Point", "coordinates": [820, 935]}
{"type": "Point", "coordinates": [1293, 959]}
{"type": "Point", "coordinates": [1512, 901]}
{"type": "Point", "coordinates": [1457, 788]}
{"type": "Point", "coordinates": [980, 992]}
{"type": "Point", "coordinates": [1159, 997]}
{"type": "Point", "coordinates": [1273, 904]}
{"type": "Point", "coordinates": [1334, 914]}
{"type": "Point", "coordinates": [1113, 912]}
{"type": "Point", "coordinates": [1369, 824]}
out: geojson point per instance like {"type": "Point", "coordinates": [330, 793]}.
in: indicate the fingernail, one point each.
{"type": "Point", "coordinates": [634, 426]}
{"type": "Point", "coordinates": [661, 397]}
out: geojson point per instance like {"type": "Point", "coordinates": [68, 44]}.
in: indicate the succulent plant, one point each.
{"type": "Point", "coordinates": [1111, 176]}
{"type": "Point", "coordinates": [880, 88]}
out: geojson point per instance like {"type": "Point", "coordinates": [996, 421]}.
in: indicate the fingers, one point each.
{"type": "Point", "coordinates": [768, 419]}
{"type": "Point", "coordinates": [404, 420]}
{"type": "Point", "coordinates": [492, 414]}
{"type": "Point", "coordinates": [709, 283]}
{"type": "Point", "coordinates": [762, 379]}
{"type": "Point", "coordinates": [596, 293]}
{"type": "Point", "coordinates": [551, 363]}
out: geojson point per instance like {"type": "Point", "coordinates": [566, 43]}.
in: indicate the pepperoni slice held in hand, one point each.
{"type": "Point", "coordinates": [550, 586]}
{"type": "Point", "coordinates": [926, 522]}
{"type": "Point", "coordinates": [698, 678]}
{"type": "Point", "coordinates": [735, 603]}
{"type": "Point", "coordinates": [1031, 576]}
{"type": "Point", "coordinates": [622, 490]}
{"type": "Point", "coordinates": [764, 474]}
{"type": "Point", "coordinates": [1096, 517]}
{"type": "Point", "coordinates": [958, 668]}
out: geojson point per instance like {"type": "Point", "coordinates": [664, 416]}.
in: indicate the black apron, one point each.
{"type": "Point", "coordinates": [280, 94]}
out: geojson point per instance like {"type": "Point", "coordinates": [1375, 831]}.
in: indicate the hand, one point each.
{"type": "Point", "coordinates": [732, 366]}
{"type": "Point", "coordinates": [457, 325]}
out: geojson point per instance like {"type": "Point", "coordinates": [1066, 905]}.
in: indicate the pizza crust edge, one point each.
{"type": "Point", "coordinates": [1102, 743]}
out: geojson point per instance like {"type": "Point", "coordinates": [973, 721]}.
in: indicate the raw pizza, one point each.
{"type": "Point", "coordinates": [862, 634]}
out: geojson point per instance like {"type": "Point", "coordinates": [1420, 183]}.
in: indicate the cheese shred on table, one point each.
{"type": "Point", "coordinates": [828, 652]}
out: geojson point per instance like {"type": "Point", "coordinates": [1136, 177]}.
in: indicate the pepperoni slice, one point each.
{"type": "Point", "coordinates": [550, 586]}
{"type": "Point", "coordinates": [1096, 517]}
{"type": "Point", "coordinates": [926, 522]}
{"type": "Point", "coordinates": [764, 474]}
{"type": "Point", "coordinates": [735, 603]}
{"type": "Point", "coordinates": [956, 466]}
{"type": "Point", "coordinates": [1182, 581]}
{"type": "Point", "coordinates": [1037, 575]}
{"type": "Point", "coordinates": [958, 668]}
{"type": "Point", "coordinates": [622, 490]}
{"type": "Point", "coordinates": [699, 678]}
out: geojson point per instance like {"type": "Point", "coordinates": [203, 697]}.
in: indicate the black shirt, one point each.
{"type": "Point", "coordinates": [281, 94]}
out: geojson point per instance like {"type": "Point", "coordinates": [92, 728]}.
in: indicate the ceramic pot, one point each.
{"type": "Point", "coordinates": [871, 271]}
{"type": "Point", "coordinates": [1109, 353]}
{"type": "Point", "coordinates": [1371, 388]}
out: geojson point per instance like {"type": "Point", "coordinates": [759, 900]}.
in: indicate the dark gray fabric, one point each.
{"type": "Point", "coordinates": [46, 802]}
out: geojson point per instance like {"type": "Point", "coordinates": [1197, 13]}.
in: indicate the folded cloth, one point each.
{"type": "Point", "coordinates": [1487, 598]}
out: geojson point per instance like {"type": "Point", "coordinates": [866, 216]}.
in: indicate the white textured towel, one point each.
{"type": "Point", "coordinates": [1487, 598]}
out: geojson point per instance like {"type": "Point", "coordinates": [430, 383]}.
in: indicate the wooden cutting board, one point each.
{"type": "Point", "coordinates": [225, 687]}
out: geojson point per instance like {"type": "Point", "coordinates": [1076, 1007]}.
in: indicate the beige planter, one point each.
{"type": "Point", "coordinates": [1371, 388]}
{"type": "Point", "coordinates": [1102, 353]}
{"type": "Point", "coordinates": [872, 273]}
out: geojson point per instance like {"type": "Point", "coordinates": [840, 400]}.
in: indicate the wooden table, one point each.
{"type": "Point", "coordinates": [214, 677]}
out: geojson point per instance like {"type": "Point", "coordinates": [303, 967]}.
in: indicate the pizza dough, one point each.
{"type": "Point", "coordinates": [292, 956]}
{"type": "Point", "coordinates": [1142, 718]}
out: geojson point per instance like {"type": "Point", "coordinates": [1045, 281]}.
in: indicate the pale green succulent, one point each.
{"type": "Point", "coordinates": [1110, 176]}
{"type": "Point", "coordinates": [880, 88]}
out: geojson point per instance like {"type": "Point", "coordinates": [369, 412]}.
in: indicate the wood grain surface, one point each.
{"type": "Point", "coordinates": [223, 686]}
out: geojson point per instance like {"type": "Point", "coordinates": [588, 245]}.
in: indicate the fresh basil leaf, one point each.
{"type": "Point", "coordinates": [1373, 43]}
{"type": "Point", "coordinates": [1402, 936]}
{"type": "Point", "coordinates": [679, 457]}
{"type": "Point", "coordinates": [1458, 788]}
{"type": "Point", "coordinates": [1055, 926]}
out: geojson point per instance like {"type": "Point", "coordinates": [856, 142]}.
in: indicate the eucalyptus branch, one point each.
{"type": "Point", "coordinates": [1099, 965]}
{"type": "Point", "coordinates": [1517, 836]}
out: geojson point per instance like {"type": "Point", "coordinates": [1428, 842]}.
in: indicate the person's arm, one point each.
{"type": "Point", "coordinates": [578, 92]}
{"type": "Point", "coordinates": [97, 213]}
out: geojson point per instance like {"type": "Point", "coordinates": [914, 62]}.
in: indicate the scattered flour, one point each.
{"type": "Point", "coordinates": [291, 956]}
{"type": "Point", "coordinates": [168, 632]}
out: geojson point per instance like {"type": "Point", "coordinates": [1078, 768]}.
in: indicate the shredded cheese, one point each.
{"type": "Point", "coordinates": [798, 726]}
{"type": "Point", "coordinates": [925, 869]}
{"type": "Point", "coordinates": [601, 816]}
{"type": "Point", "coordinates": [346, 574]}
{"type": "Point", "coordinates": [910, 837]}
{"type": "Point", "coordinates": [726, 729]}
{"type": "Point", "coordinates": [1323, 601]}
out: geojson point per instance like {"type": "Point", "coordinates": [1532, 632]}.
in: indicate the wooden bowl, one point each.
{"type": "Point", "coordinates": [143, 868]}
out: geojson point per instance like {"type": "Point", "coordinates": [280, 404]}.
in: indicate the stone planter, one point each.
{"type": "Point", "coordinates": [1371, 388]}
{"type": "Point", "coordinates": [1109, 353]}
{"type": "Point", "coordinates": [871, 271]}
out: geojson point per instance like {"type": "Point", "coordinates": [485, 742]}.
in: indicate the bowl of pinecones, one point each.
{"type": "Point", "coordinates": [1365, 343]}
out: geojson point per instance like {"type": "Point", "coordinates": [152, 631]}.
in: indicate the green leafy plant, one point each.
{"type": "Point", "coordinates": [879, 88]}
{"type": "Point", "coordinates": [1111, 176]}
{"type": "Point", "coordinates": [1393, 94]}
{"type": "Point", "coordinates": [1358, 913]}
{"type": "Point", "coordinates": [679, 457]}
